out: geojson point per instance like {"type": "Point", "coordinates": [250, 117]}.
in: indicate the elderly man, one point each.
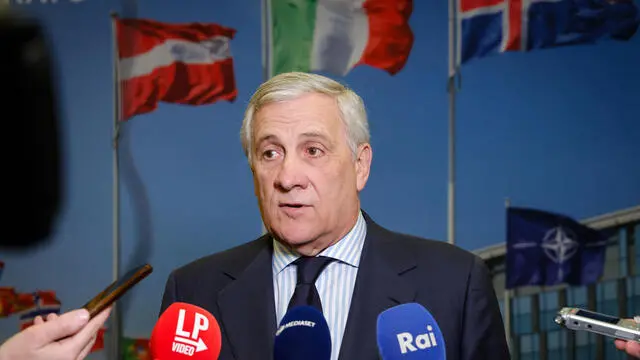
{"type": "Point", "coordinates": [306, 138]}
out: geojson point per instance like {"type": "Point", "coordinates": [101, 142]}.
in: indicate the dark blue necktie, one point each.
{"type": "Point", "coordinates": [306, 293]}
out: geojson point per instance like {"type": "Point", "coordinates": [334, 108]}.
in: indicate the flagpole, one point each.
{"type": "Point", "coordinates": [507, 292]}
{"type": "Point", "coordinates": [452, 98]}
{"type": "Point", "coordinates": [267, 71]}
{"type": "Point", "coordinates": [116, 329]}
{"type": "Point", "coordinates": [266, 63]}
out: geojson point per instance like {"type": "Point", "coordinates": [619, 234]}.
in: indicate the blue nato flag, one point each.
{"type": "Point", "coordinates": [545, 248]}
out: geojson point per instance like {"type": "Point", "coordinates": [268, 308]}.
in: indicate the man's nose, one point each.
{"type": "Point", "coordinates": [291, 174]}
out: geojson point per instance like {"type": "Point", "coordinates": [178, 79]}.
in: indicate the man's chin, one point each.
{"type": "Point", "coordinates": [295, 241]}
{"type": "Point", "coordinates": [297, 238]}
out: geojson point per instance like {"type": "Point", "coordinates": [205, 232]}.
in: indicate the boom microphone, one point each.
{"type": "Point", "coordinates": [31, 154]}
{"type": "Point", "coordinates": [409, 331]}
{"type": "Point", "coordinates": [303, 334]}
{"type": "Point", "coordinates": [185, 331]}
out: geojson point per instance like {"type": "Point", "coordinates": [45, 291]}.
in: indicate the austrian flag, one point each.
{"type": "Point", "coordinates": [187, 64]}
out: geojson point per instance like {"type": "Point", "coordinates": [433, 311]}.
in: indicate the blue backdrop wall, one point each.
{"type": "Point", "coordinates": [555, 129]}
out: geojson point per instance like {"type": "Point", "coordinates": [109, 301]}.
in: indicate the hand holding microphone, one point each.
{"type": "Point", "coordinates": [185, 331]}
{"type": "Point", "coordinates": [69, 336]}
{"type": "Point", "coordinates": [632, 348]}
{"type": "Point", "coordinates": [409, 331]}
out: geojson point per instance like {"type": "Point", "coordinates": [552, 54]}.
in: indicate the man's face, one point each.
{"type": "Point", "coordinates": [306, 177]}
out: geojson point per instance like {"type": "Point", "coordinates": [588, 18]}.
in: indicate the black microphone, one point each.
{"type": "Point", "coordinates": [31, 150]}
{"type": "Point", "coordinates": [303, 335]}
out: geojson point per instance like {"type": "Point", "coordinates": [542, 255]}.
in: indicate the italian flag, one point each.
{"type": "Point", "coordinates": [335, 36]}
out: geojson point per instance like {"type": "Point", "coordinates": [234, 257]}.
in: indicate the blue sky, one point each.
{"type": "Point", "coordinates": [554, 129]}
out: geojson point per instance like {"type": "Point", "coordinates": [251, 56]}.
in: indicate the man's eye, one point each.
{"type": "Point", "coordinates": [314, 151]}
{"type": "Point", "coordinates": [269, 154]}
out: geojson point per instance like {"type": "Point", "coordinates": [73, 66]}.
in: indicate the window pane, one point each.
{"type": "Point", "coordinates": [611, 353]}
{"type": "Point", "coordinates": [623, 254]}
{"type": "Point", "coordinates": [585, 345]}
{"type": "Point", "coordinates": [606, 298]}
{"type": "Point", "coordinates": [525, 344]}
{"type": "Point", "coordinates": [547, 320]}
{"type": "Point", "coordinates": [582, 338]}
{"type": "Point", "coordinates": [633, 296]}
{"type": "Point", "coordinates": [523, 324]}
{"type": "Point", "coordinates": [529, 346]}
{"type": "Point", "coordinates": [611, 290]}
{"type": "Point", "coordinates": [523, 304]}
{"type": "Point", "coordinates": [556, 339]}
{"type": "Point", "coordinates": [637, 248]}
{"type": "Point", "coordinates": [549, 300]}
{"type": "Point", "coordinates": [522, 320]}
{"type": "Point", "coordinates": [548, 310]}
{"type": "Point", "coordinates": [557, 345]}
{"type": "Point", "coordinates": [577, 297]}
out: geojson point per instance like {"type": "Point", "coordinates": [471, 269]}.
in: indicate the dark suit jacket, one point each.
{"type": "Point", "coordinates": [454, 285]}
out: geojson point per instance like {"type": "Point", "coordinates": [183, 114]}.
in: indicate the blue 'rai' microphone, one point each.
{"type": "Point", "coordinates": [303, 334]}
{"type": "Point", "coordinates": [409, 331]}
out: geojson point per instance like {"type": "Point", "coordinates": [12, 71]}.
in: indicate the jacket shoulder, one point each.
{"type": "Point", "coordinates": [425, 249]}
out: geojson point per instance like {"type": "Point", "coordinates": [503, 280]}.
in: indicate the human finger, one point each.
{"type": "Point", "coordinates": [62, 326]}
{"type": "Point", "coordinates": [633, 348]}
{"type": "Point", "coordinates": [77, 343]}
{"type": "Point", "coordinates": [87, 348]}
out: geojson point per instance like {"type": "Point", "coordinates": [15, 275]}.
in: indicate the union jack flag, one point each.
{"type": "Point", "coordinates": [487, 27]}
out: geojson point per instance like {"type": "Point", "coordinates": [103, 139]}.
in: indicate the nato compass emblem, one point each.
{"type": "Point", "coordinates": [560, 245]}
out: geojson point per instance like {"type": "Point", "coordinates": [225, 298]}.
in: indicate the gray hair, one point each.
{"type": "Point", "coordinates": [288, 86]}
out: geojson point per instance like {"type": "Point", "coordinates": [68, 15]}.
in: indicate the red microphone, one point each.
{"type": "Point", "coordinates": [185, 331]}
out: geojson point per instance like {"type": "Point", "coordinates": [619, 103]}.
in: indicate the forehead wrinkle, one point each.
{"type": "Point", "coordinates": [322, 126]}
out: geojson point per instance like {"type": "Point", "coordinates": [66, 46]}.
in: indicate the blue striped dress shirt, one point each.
{"type": "Point", "coordinates": [335, 283]}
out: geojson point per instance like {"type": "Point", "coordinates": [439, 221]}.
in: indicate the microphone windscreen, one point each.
{"type": "Point", "coordinates": [303, 334]}
{"type": "Point", "coordinates": [409, 331]}
{"type": "Point", "coordinates": [31, 150]}
{"type": "Point", "coordinates": [185, 331]}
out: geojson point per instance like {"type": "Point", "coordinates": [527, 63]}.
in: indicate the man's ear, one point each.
{"type": "Point", "coordinates": [364, 155]}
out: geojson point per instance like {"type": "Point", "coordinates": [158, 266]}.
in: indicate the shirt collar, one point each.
{"type": "Point", "coordinates": [347, 250]}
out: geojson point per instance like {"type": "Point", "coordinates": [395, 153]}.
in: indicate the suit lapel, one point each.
{"type": "Point", "coordinates": [247, 308]}
{"type": "Point", "coordinates": [379, 285]}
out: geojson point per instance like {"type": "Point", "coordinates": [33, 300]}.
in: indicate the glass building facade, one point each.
{"type": "Point", "coordinates": [533, 332]}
